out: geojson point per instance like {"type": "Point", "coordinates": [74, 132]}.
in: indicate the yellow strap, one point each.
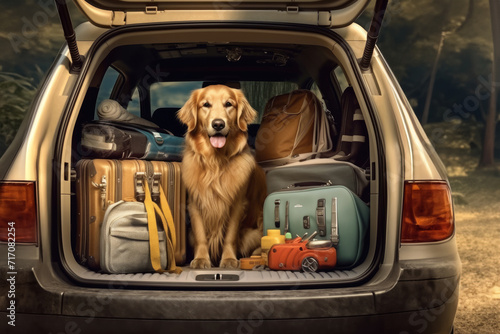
{"type": "Point", "coordinates": [154, 243]}
{"type": "Point", "coordinates": [153, 210]}
{"type": "Point", "coordinates": [165, 208]}
{"type": "Point", "coordinates": [170, 247]}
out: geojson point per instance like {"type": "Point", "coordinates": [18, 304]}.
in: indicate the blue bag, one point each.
{"type": "Point", "coordinates": [118, 140]}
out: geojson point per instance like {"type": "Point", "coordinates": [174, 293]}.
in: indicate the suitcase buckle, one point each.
{"type": "Point", "coordinates": [320, 217]}
{"type": "Point", "coordinates": [155, 187]}
{"type": "Point", "coordinates": [154, 182]}
{"type": "Point", "coordinates": [140, 194]}
{"type": "Point", "coordinates": [158, 138]}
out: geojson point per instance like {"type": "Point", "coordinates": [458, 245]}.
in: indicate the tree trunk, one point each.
{"type": "Point", "coordinates": [488, 154]}
{"type": "Point", "coordinates": [444, 33]}
{"type": "Point", "coordinates": [428, 98]}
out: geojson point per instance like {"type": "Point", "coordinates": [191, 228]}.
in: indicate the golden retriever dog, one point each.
{"type": "Point", "coordinates": [225, 185]}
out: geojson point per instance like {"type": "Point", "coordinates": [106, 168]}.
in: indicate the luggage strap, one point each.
{"type": "Point", "coordinates": [163, 211]}
{"type": "Point", "coordinates": [277, 213]}
{"type": "Point", "coordinates": [335, 223]}
{"type": "Point", "coordinates": [277, 221]}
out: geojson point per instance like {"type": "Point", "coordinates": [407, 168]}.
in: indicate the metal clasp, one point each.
{"type": "Point", "coordinates": [102, 186]}
{"type": "Point", "coordinates": [140, 194]}
{"type": "Point", "coordinates": [320, 217]}
{"type": "Point", "coordinates": [155, 187]}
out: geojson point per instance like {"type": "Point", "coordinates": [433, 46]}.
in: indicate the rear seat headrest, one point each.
{"type": "Point", "coordinates": [230, 84]}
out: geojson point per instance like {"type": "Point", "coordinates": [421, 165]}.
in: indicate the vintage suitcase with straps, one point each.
{"type": "Point", "coordinates": [103, 182]}
{"type": "Point", "coordinates": [335, 212]}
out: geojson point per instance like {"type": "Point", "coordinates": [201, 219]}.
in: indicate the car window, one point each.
{"type": "Point", "coordinates": [317, 92]}
{"type": "Point", "coordinates": [134, 106]}
{"type": "Point", "coordinates": [259, 92]}
{"type": "Point", "coordinates": [341, 78]}
{"type": "Point", "coordinates": [108, 83]}
{"type": "Point", "coordinates": [173, 95]}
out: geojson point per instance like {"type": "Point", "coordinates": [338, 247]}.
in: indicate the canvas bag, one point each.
{"type": "Point", "coordinates": [294, 127]}
{"type": "Point", "coordinates": [131, 241]}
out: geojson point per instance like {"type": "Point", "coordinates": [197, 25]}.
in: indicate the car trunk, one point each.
{"type": "Point", "coordinates": [257, 56]}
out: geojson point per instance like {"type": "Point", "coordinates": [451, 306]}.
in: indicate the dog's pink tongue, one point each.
{"type": "Point", "coordinates": [218, 141]}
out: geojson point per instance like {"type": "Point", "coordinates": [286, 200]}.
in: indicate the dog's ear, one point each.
{"type": "Point", "coordinates": [188, 114]}
{"type": "Point", "coordinates": [246, 114]}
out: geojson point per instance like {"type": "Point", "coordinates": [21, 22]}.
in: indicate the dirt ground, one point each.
{"type": "Point", "coordinates": [476, 194]}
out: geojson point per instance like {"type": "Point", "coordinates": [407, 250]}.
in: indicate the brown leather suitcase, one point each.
{"type": "Point", "coordinates": [101, 182]}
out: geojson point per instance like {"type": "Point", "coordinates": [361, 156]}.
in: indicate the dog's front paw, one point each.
{"type": "Point", "coordinates": [200, 263]}
{"type": "Point", "coordinates": [229, 264]}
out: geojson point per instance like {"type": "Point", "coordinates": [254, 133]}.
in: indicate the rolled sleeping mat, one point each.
{"type": "Point", "coordinates": [112, 111]}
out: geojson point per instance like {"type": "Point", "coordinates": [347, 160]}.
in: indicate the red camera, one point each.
{"type": "Point", "coordinates": [303, 254]}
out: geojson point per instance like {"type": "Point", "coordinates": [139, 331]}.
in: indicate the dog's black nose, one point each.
{"type": "Point", "coordinates": [218, 124]}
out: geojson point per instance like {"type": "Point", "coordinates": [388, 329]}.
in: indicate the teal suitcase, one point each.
{"type": "Point", "coordinates": [335, 212]}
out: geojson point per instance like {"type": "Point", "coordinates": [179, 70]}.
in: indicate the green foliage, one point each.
{"type": "Point", "coordinates": [16, 93]}
{"type": "Point", "coordinates": [30, 36]}
{"type": "Point", "coordinates": [409, 39]}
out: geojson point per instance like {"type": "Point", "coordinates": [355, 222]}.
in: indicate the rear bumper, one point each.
{"type": "Point", "coordinates": [385, 323]}
{"type": "Point", "coordinates": [416, 302]}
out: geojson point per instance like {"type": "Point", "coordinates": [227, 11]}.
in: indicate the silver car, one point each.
{"type": "Point", "coordinates": [148, 56]}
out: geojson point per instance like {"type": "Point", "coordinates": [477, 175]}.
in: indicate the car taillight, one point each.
{"type": "Point", "coordinates": [427, 211]}
{"type": "Point", "coordinates": [18, 218]}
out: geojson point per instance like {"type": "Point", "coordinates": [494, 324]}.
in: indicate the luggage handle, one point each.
{"type": "Point", "coordinates": [310, 184]}
{"type": "Point", "coordinates": [287, 222]}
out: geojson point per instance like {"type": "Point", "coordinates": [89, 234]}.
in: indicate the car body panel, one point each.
{"type": "Point", "coordinates": [333, 13]}
{"type": "Point", "coordinates": [416, 302]}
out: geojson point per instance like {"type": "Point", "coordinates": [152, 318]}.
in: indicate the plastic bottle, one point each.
{"type": "Point", "coordinates": [273, 237]}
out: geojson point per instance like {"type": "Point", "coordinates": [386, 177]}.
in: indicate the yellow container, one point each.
{"type": "Point", "coordinates": [273, 237]}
